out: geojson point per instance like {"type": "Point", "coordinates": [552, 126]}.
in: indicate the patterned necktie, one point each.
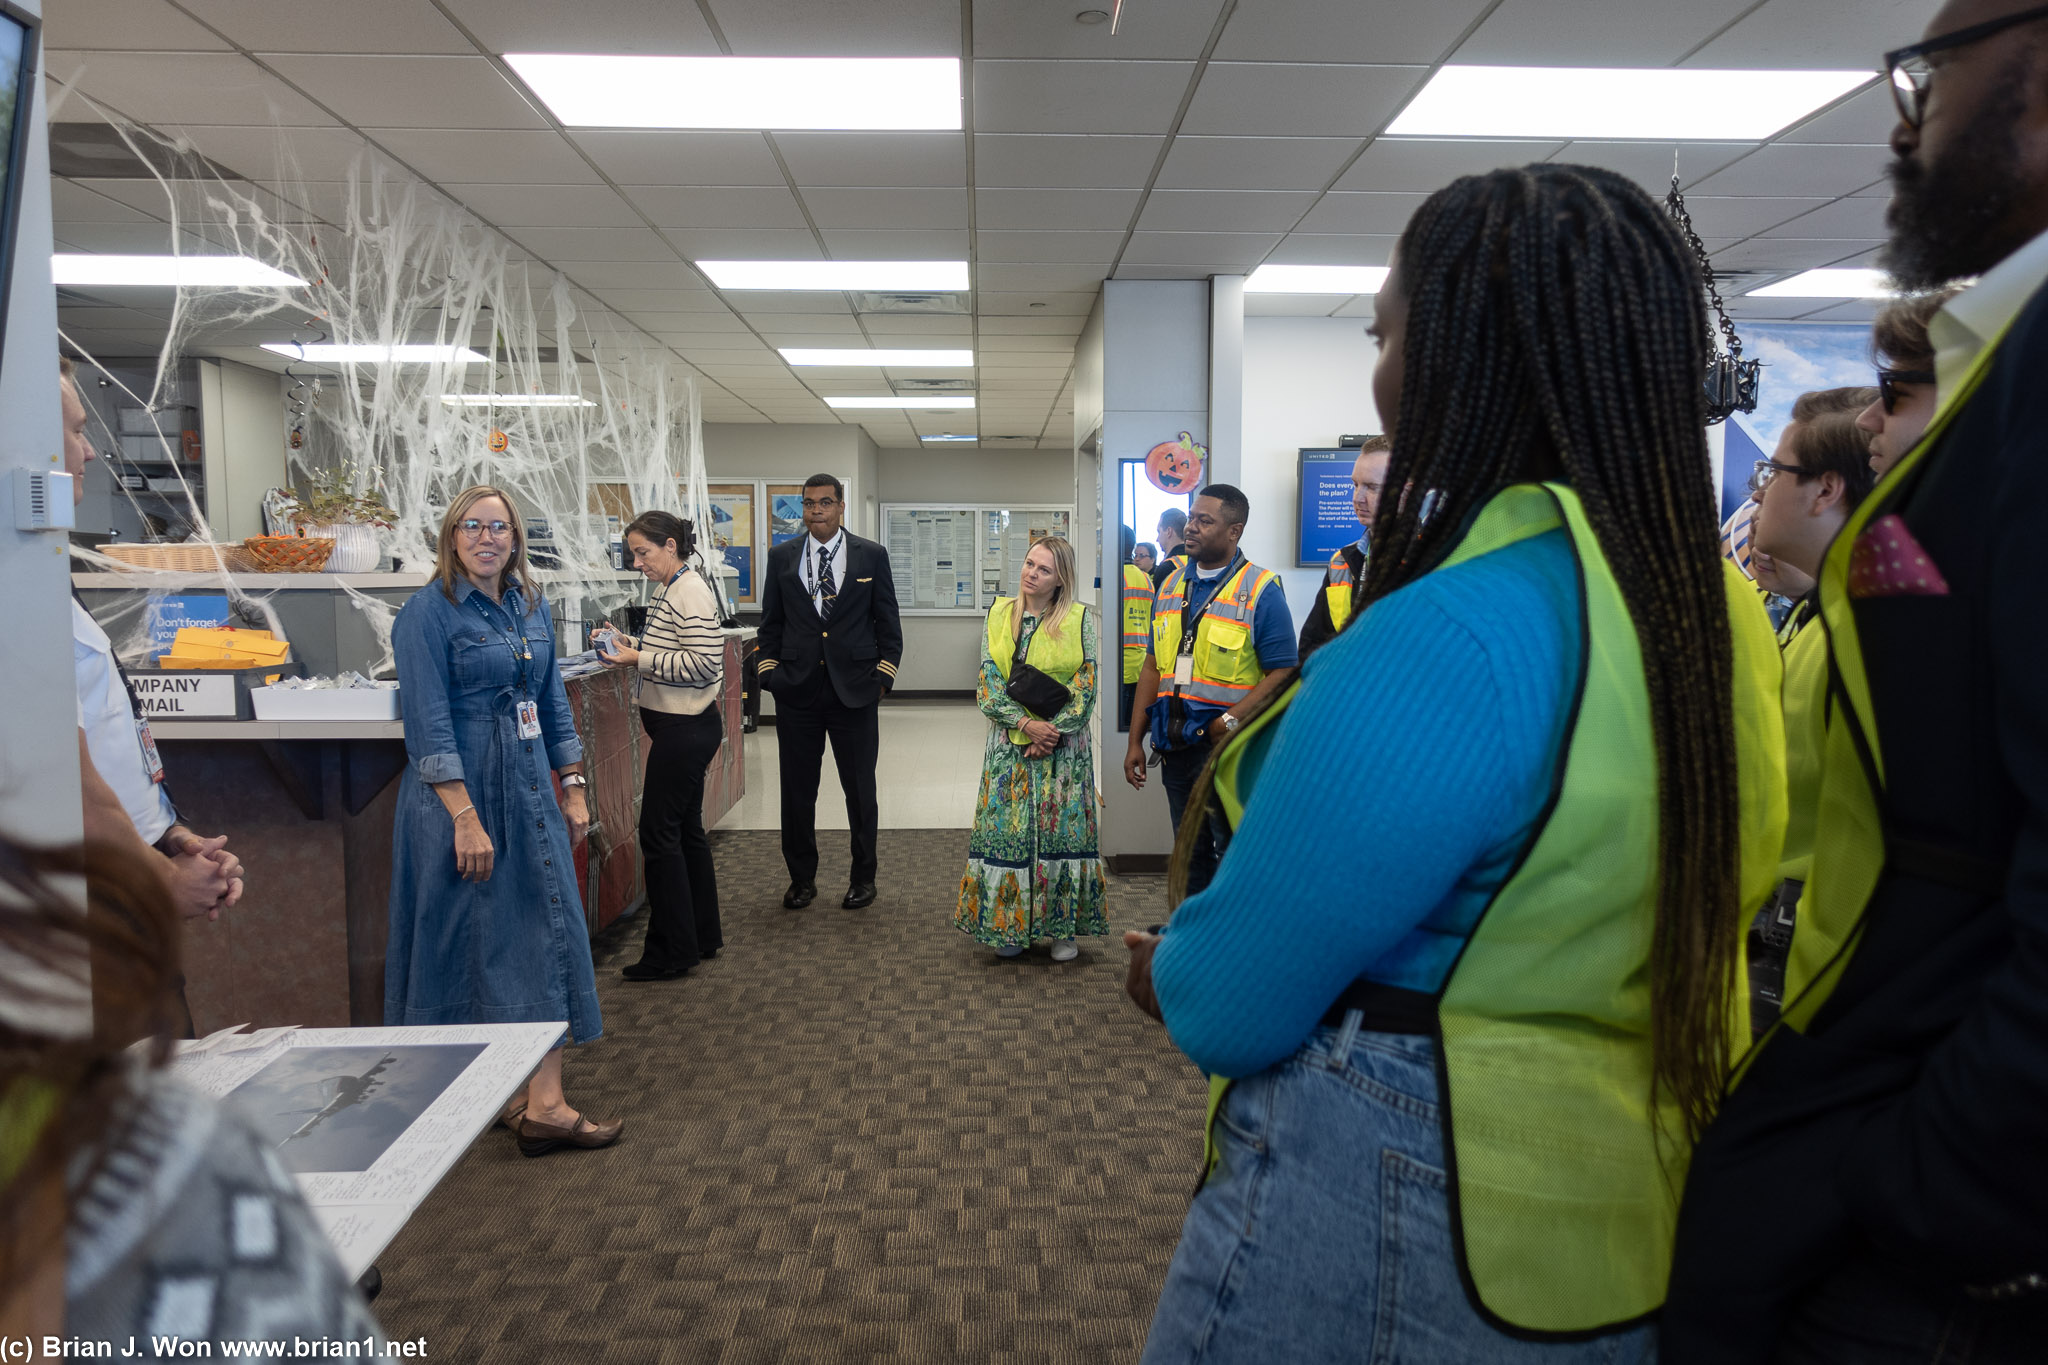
{"type": "Point", "coordinates": [827, 589]}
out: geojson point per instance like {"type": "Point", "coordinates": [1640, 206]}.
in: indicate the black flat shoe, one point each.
{"type": "Point", "coordinates": [647, 971]}
{"type": "Point", "coordinates": [859, 896]}
{"type": "Point", "coordinates": [799, 895]}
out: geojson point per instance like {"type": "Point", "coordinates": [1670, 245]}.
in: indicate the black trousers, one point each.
{"type": "Point", "coordinates": [682, 884]}
{"type": "Point", "coordinates": [1179, 770]}
{"type": "Point", "coordinates": [1870, 1313]}
{"type": "Point", "coordinates": [856, 736]}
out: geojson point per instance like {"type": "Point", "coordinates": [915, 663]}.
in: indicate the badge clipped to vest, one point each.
{"type": "Point", "coordinates": [1184, 670]}
{"type": "Point", "coordinates": [529, 720]}
{"type": "Point", "coordinates": [150, 758]}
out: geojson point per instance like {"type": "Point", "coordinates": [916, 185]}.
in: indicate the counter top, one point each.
{"type": "Point", "coordinates": [156, 580]}
{"type": "Point", "coordinates": [277, 729]}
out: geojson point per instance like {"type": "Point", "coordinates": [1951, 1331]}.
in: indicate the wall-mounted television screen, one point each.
{"type": "Point", "coordinates": [18, 34]}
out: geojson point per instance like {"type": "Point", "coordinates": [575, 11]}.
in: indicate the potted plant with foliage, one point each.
{"type": "Point", "coordinates": [330, 506]}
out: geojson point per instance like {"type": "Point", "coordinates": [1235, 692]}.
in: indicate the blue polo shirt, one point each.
{"type": "Point", "coordinates": [1272, 637]}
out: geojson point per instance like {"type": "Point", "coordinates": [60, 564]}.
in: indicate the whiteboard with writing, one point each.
{"type": "Point", "coordinates": [185, 696]}
{"type": "Point", "coordinates": [955, 559]}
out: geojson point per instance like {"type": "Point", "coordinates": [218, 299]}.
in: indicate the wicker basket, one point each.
{"type": "Point", "coordinates": [183, 558]}
{"type": "Point", "coordinates": [289, 554]}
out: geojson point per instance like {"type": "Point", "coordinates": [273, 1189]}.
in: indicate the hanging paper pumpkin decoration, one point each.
{"type": "Point", "coordinates": [499, 441]}
{"type": "Point", "coordinates": [1176, 466]}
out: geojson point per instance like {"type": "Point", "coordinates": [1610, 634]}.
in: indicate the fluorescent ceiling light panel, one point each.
{"type": "Point", "coordinates": [903, 401]}
{"type": "Point", "coordinates": [1659, 104]}
{"type": "Point", "coordinates": [929, 360]}
{"type": "Point", "coordinates": [188, 272]}
{"type": "Point", "coordinates": [1829, 284]}
{"type": "Point", "coordinates": [916, 277]}
{"type": "Point", "coordinates": [745, 92]}
{"type": "Point", "coordinates": [516, 400]}
{"type": "Point", "coordinates": [1316, 279]}
{"type": "Point", "coordinates": [402, 353]}
{"type": "Point", "coordinates": [949, 438]}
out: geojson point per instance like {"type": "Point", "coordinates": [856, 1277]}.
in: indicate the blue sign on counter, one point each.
{"type": "Point", "coordinates": [168, 613]}
{"type": "Point", "coordinates": [1324, 521]}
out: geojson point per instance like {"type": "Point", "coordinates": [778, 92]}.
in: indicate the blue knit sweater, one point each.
{"type": "Point", "coordinates": [1387, 806]}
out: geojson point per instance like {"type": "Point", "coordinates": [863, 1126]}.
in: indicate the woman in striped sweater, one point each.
{"type": "Point", "coordinates": [679, 661]}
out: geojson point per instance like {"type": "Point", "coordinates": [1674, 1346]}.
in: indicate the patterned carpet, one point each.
{"type": "Point", "coordinates": [854, 1136]}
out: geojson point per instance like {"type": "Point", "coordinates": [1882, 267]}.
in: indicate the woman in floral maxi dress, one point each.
{"type": "Point", "coordinates": [1034, 869]}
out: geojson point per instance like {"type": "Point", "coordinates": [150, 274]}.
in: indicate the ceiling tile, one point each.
{"type": "Point", "coordinates": [894, 325]}
{"type": "Point", "coordinates": [1096, 245]}
{"type": "Point", "coordinates": [404, 91]}
{"type": "Point", "coordinates": [1289, 305]}
{"type": "Point", "coordinates": [1316, 248]}
{"type": "Point", "coordinates": [144, 238]}
{"type": "Point", "coordinates": [825, 28]}
{"type": "Point", "coordinates": [662, 156]}
{"type": "Point", "coordinates": [124, 26]}
{"type": "Point", "coordinates": [1715, 217]}
{"type": "Point", "coordinates": [1028, 303]}
{"type": "Point", "coordinates": [1223, 251]}
{"type": "Point", "coordinates": [1039, 323]}
{"type": "Point", "coordinates": [1649, 163]}
{"type": "Point", "coordinates": [1841, 35]}
{"type": "Point", "coordinates": [1044, 159]}
{"type": "Point", "coordinates": [782, 302]}
{"type": "Point", "coordinates": [1811, 171]}
{"type": "Point", "coordinates": [1277, 100]}
{"type": "Point", "coordinates": [84, 202]}
{"type": "Point", "coordinates": [1392, 165]}
{"type": "Point", "coordinates": [547, 206]}
{"type": "Point", "coordinates": [1225, 210]}
{"type": "Point", "coordinates": [804, 329]}
{"type": "Point", "coordinates": [1006, 276]}
{"type": "Point", "coordinates": [875, 158]}
{"type": "Point", "coordinates": [1349, 212]}
{"type": "Point", "coordinates": [1146, 32]}
{"type": "Point", "coordinates": [1843, 218]}
{"type": "Point", "coordinates": [1867, 117]}
{"type": "Point", "coordinates": [181, 87]}
{"type": "Point", "coordinates": [1254, 163]}
{"type": "Point", "coordinates": [722, 206]}
{"type": "Point", "coordinates": [930, 244]}
{"type": "Point", "coordinates": [595, 244]}
{"type": "Point", "coordinates": [622, 26]}
{"type": "Point", "coordinates": [266, 26]}
{"type": "Point", "coordinates": [487, 156]}
{"type": "Point", "coordinates": [1775, 253]}
{"type": "Point", "coordinates": [270, 153]}
{"type": "Point", "coordinates": [1078, 97]}
{"type": "Point", "coordinates": [887, 208]}
{"type": "Point", "coordinates": [673, 276]}
{"type": "Point", "coordinates": [746, 244]}
{"type": "Point", "coordinates": [1311, 30]}
{"type": "Point", "coordinates": [1004, 208]}
{"type": "Point", "coordinates": [1595, 32]}
{"type": "Point", "coordinates": [992, 346]}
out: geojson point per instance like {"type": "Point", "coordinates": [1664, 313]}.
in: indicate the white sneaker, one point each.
{"type": "Point", "coordinates": [1010, 950]}
{"type": "Point", "coordinates": [1064, 950]}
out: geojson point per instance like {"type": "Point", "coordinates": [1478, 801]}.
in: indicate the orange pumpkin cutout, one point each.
{"type": "Point", "coordinates": [1176, 466]}
{"type": "Point", "coordinates": [499, 441]}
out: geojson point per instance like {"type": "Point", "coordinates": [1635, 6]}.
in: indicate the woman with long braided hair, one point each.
{"type": "Point", "coordinates": [1478, 1009]}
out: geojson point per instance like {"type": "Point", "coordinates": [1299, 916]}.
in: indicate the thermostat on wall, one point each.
{"type": "Point", "coordinates": [42, 500]}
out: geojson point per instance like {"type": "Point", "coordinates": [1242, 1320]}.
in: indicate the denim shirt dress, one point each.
{"type": "Point", "coordinates": [514, 949]}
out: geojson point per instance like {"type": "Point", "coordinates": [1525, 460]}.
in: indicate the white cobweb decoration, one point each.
{"type": "Point", "coordinates": [399, 265]}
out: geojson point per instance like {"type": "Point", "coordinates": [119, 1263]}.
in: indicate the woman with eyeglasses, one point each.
{"type": "Point", "coordinates": [486, 923]}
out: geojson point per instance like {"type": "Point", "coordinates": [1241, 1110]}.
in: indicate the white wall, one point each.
{"type": "Point", "coordinates": [242, 432]}
{"type": "Point", "coordinates": [1307, 381]}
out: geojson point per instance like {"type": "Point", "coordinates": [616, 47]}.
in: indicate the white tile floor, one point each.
{"type": "Point", "coordinates": [926, 778]}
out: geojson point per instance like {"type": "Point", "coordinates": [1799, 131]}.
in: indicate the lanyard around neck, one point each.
{"type": "Point", "coordinates": [522, 651]}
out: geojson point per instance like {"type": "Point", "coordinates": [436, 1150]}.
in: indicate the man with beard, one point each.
{"type": "Point", "coordinates": [1873, 1188]}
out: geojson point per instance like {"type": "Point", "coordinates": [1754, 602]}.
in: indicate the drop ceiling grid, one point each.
{"type": "Point", "coordinates": [1199, 181]}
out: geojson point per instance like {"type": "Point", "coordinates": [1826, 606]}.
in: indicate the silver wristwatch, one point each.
{"type": "Point", "coordinates": [1229, 723]}
{"type": "Point", "coordinates": [576, 780]}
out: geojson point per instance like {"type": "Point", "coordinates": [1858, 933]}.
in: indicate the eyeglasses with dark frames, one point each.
{"type": "Point", "coordinates": [1910, 73]}
{"type": "Point", "coordinates": [1760, 477]}
{"type": "Point", "coordinates": [1888, 382]}
{"type": "Point", "coordinates": [472, 529]}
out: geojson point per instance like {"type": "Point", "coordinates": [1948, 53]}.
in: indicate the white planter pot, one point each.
{"type": "Point", "coordinates": [355, 546]}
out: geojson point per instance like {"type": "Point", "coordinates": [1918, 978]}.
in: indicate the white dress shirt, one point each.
{"type": "Point", "coordinates": [108, 719]}
{"type": "Point", "coordinates": [807, 565]}
{"type": "Point", "coordinates": [1973, 319]}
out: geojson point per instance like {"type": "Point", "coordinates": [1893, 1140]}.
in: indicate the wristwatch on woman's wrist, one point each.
{"type": "Point", "coordinates": [576, 780]}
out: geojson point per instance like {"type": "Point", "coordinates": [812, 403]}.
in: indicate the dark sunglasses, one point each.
{"type": "Point", "coordinates": [1911, 73]}
{"type": "Point", "coordinates": [1888, 382]}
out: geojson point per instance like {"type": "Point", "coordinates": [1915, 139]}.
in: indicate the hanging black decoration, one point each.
{"type": "Point", "coordinates": [1731, 381]}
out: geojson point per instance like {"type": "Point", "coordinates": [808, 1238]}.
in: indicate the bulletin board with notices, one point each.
{"type": "Point", "coordinates": [956, 560]}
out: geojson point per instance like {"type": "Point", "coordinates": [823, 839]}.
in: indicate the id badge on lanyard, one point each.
{"type": "Point", "coordinates": [529, 720]}
{"type": "Point", "coordinates": [1183, 670]}
{"type": "Point", "coordinates": [150, 758]}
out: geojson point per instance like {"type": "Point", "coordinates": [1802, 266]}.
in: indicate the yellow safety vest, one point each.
{"type": "Point", "coordinates": [1805, 647]}
{"type": "Point", "coordinates": [1564, 1211]}
{"type": "Point", "coordinates": [1337, 592]}
{"type": "Point", "coordinates": [1137, 620]}
{"type": "Point", "coordinates": [1058, 656]}
{"type": "Point", "coordinates": [1849, 848]}
{"type": "Point", "coordinates": [1226, 656]}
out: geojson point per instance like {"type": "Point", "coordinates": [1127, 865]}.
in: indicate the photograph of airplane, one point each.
{"type": "Point", "coordinates": [338, 1109]}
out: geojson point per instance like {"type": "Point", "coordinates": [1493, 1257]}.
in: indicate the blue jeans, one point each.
{"type": "Point", "coordinates": [1324, 1233]}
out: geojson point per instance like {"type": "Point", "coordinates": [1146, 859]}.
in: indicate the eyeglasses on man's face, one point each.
{"type": "Point", "coordinates": [1760, 477]}
{"type": "Point", "coordinates": [825, 504]}
{"type": "Point", "coordinates": [1911, 71]}
{"type": "Point", "coordinates": [472, 529]}
{"type": "Point", "coordinates": [1890, 384]}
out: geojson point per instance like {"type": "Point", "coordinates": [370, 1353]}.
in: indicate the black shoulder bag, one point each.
{"type": "Point", "coordinates": [1033, 688]}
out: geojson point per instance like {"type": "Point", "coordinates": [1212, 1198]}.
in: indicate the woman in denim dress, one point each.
{"type": "Point", "coordinates": [486, 924]}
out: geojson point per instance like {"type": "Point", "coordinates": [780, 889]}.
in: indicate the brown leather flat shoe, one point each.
{"type": "Point", "coordinates": [509, 1116]}
{"type": "Point", "coordinates": [538, 1139]}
